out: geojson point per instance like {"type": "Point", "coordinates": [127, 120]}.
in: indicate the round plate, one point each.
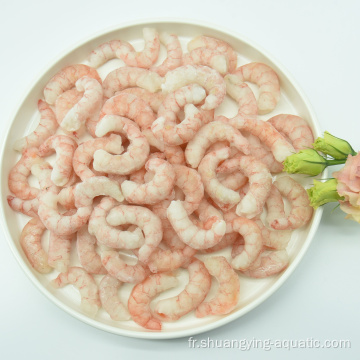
{"type": "Point", "coordinates": [252, 291]}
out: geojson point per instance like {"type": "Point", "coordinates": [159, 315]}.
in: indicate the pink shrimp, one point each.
{"type": "Point", "coordinates": [159, 188]}
{"type": "Point", "coordinates": [26, 207]}
{"type": "Point", "coordinates": [17, 180]}
{"type": "Point", "coordinates": [174, 54]}
{"type": "Point", "coordinates": [209, 57]}
{"type": "Point", "coordinates": [204, 76]}
{"type": "Point", "coordinates": [223, 196]}
{"type": "Point", "coordinates": [251, 233]}
{"type": "Point", "coordinates": [59, 251]}
{"type": "Point", "coordinates": [274, 239]}
{"type": "Point", "coordinates": [47, 126]}
{"type": "Point", "coordinates": [268, 264]}
{"type": "Point", "coordinates": [30, 241]}
{"type": "Point", "coordinates": [89, 259]}
{"type": "Point", "coordinates": [125, 77]}
{"type": "Point", "coordinates": [141, 296]}
{"type": "Point", "coordinates": [64, 146]}
{"type": "Point", "coordinates": [90, 301]}
{"type": "Point", "coordinates": [66, 197]}
{"type": "Point", "coordinates": [129, 106]}
{"type": "Point", "coordinates": [88, 106]}
{"type": "Point", "coordinates": [190, 298]}
{"type": "Point", "coordinates": [301, 211]}
{"type": "Point", "coordinates": [145, 219]}
{"type": "Point", "coordinates": [65, 102]}
{"type": "Point", "coordinates": [191, 234]}
{"type": "Point", "coordinates": [84, 153]}
{"type": "Point", "coordinates": [215, 44]}
{"type": "Point", "coordinates": [227, 295]}
{"type": "Point", "coordinates": [295, 128]}
{"type": "Point", "coordinates": [108, 290]}
{"type": "Point", "coordinates": [260, 181]}
{"type": "Point", "coordinates": [275, 205]}
{"type": "Point", "coordinates": [109, 235]}
{"type": "Point", "coordinates": [228, 240]}
{"type": "Point", "coordinates": [267, 80]}
{"type": "Point", "coordinates": [242, 94]}
{"type": "Point", "coordinates": [118, 268]}
{"type": "Point", "coordinates": [212, 133]}
{"type": "Point", "coordinates": [137, 152]}
{"type": "Point", "coordinates": [65, 79]}
{"type": "Point", "coordinates": [268, 135]}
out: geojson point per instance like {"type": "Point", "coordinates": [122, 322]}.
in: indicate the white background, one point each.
{"type": "Point", "coordinates": [318, 42]}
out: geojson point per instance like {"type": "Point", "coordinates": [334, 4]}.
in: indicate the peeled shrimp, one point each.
{"type": "Point", "coordinates": [190, 298]}
{"type": "Point", "coordinates": [141, 296]}
{"type": "Point", "coordinates": [90, 301]}
{"type": "Point", "coordinates": [278, 145]}
{"type": "Point", "coordinates": [260, 181]}
{"type": "Point", "coordinates": [206, 77]}
{"type": "Point", "coordinates": [301, 211]}
{"type": "Point", "coordinates": [159, 188]}
{"type": "Point", "coordinates": [191, 234]}
{"type": "Point", "coordinates": [26, 207]}
{"type": "Point", "coordinates": [127, 77]}
{"type": "Point", "coordinates": [209, 57]}
{"type": "Point", "coordinates": [65, 79]}
{"type": "Point", "coordinates": [86, 107]}
{"type": "Point", "coordinates": [145, 219]}
{"type": "Point", "coordinates": [59, 251]}
{"type": "Point", "coordinates": [267, 80]}
{"type": "Point", "coordinates": [212, 133]}
{"type": "Point", "coordinates": [227, 295]}
{"type": "Point", "coordinates": [275, 205]}
{"type": "Point", "coordinates": [253, 243]}
{"type": "Point", "coordinates": [174, 54]}
{"type": "Point", "coordinates": [47, 127]}
{"type": "Point", "coordinates": [135, 156]}
{"type": "Point", "coordinates": [64, 146]}
{"type": "Point", "coordinates": [215, 44]}
{"type": "Point", "coordinates": [30, 241]}
{"type": "Point", "coordinates": [108, 290]}
{"type": "Point", "coordinates": [295, 128]}
{"type": "Point", "coordinates": [89, 259]}
{"type": "Point", "coordinates": [274, 239]}
{"type": "Point", "coordinates": [66, 101]}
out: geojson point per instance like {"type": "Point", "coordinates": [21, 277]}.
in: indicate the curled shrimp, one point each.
{"type": "Point", "coordinates": [64, 146]}
{"type": "Point", "coordinates": [190, 298]}
{"type": "Point", "coordinates": [206, 77]}
{"type": "Point", "coordinates": [26, 207]}
{"type": "Point", "coordinates": [274, 239]}
{"type": "Point", "coordinates": [278, 145]}
{"type": "Point", "coordinates": [90, 301]}
{"type": "Point", "coordinates": [174, 54]}
{"type": "Point", "coordinates": [47, 126]}
{"type": "Point", "coordinates": [65, 79]}
{"type": "Point", "coordinates": [227, 295]}
{"type": "Point", "coordinates": [208, 57]}
{"type": "Point", "coordinates": [295, 128]}
{"type": "Point", "coordinates": [212, 133]}
{"type": "Point", "coordinates": [135, 156]}
{"type": "Point", "coordinates": [127, 77]}
{"type": "Point", "coordinates": [89, 105]}
{"type": "Point", "coordinates": [275, 205]}
{"type": "Point", "coordinates": [59, 251]}
{"type": "Point", "coordinates": [141, 296]}
{"type": "Point", "coordinates": [251, 233]}
{"type": "Point", "coordinates": [260, 181]}
{"type": "Point", "coordinates": [120, 270]}
{"type": "Point", "coordinates": [159, 188]}
{"type": "Point", "coordinates": [89, 259]}
{"type": "Point", "coordinates": [109, 235]}
{"type": "Point", "coordinates": [18, 175]}
{"type": "Point", "coordinates": [108, 291]}
{"type": "Point", "coordinates": [131, 107]}
{"type": "Point", "coordinates": [223, 196]}
{"type": "Point", "coordinates": [145, 219]}
{"type": "Point", "coordinates": [191, 234]}
{"type": "Point", "coordinates": [267, 80]}
{"type": "Point", "coordinates": [84, 153]}
{"type": "Point", "coordinates": [215, 44]}
{"type": "Point", "coordinates": [301, 211]}
{"type": "Point", "coordinates": [30, 241]}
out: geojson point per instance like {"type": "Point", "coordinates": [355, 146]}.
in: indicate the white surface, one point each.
{"type": "Point", "coordinates": [316, 42]}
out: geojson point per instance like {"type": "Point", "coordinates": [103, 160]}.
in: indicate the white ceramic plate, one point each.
{"type": "Point", "coordinates": [253, 291]}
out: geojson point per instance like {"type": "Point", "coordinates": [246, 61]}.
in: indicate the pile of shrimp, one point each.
{"type": "Point", "coordinates": [139, 163]}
